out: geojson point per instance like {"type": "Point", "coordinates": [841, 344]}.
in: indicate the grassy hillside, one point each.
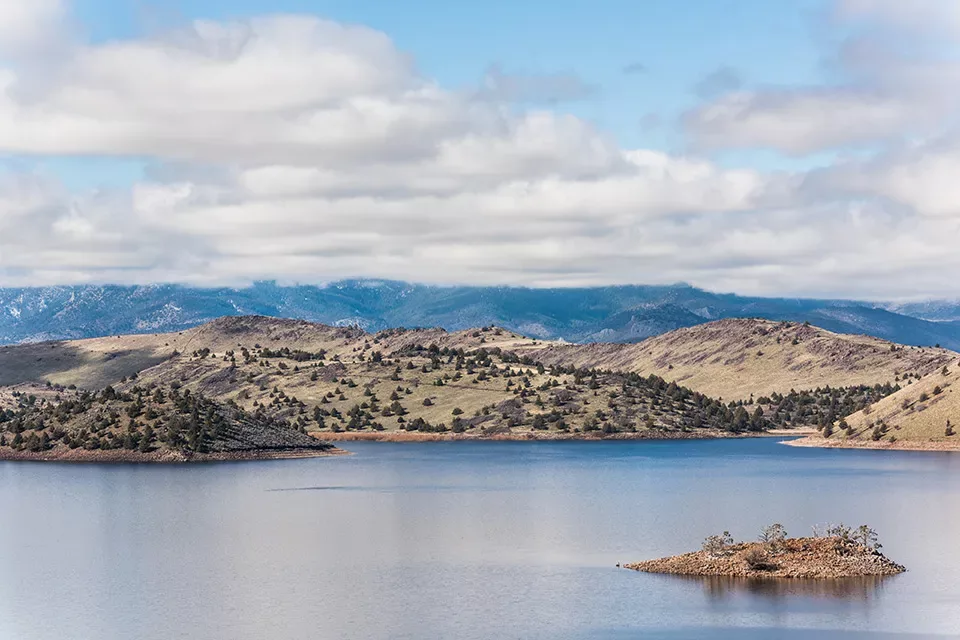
{"type": "Point", "coordinates": [96, 362]}
{"type": "Point", "coordinates": [489, 382]}
{"type": "Point", "coordinates": [925, 410]}
{"type": "Point", "coordinates": [734, 359]}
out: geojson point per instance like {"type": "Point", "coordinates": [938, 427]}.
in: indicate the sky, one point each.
{"type": "Point", "coordinates": [794, 148]}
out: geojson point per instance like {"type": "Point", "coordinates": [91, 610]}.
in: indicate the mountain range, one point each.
{"type": "Point", "coordinates": [599, 314]}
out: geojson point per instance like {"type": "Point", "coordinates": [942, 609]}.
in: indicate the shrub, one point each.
{"type": "Point", "coordinates": [848, 538]}
{"type": "Point", "coordinates": [839, 530]}
{"type": "Point", "coordinates": [718, 545]}
{"type": "Point", "coordinates": [774, 537]}
{"type": "Point", "coordinates": [866, 537]}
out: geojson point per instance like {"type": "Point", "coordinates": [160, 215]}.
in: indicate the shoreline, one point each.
{"type": "Point", "coordinates": [900, 445]}
{"type": "Point", "coordinates": [527, 436]}
{"type": "Point", "coordinates": [122, 456]}
{"type": "Point", "coordinates": [797, 558]}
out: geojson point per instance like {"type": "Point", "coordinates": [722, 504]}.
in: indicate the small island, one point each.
{"type": "Point", "coordinates": [836, 552]}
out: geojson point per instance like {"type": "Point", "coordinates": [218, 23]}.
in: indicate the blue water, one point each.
{"type": "Point", "coordinates": [467, 540]}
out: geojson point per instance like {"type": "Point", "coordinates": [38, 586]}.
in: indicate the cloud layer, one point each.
{"type": "Point", "coordinates": [295, 148]}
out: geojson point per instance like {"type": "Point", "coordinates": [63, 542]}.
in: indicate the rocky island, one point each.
{"type": "Point", "coordinates": [839, 552]}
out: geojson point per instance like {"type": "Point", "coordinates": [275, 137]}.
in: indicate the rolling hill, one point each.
{"type": "Point", "coordinates": [341, 382]}
{"type": "Point", "coordinates": [739, 358]}
{"type": "Point", "coordinates": [925, 413]}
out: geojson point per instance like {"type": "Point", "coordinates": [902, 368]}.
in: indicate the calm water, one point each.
{"type": "Point", "coordinates": [467, 540]}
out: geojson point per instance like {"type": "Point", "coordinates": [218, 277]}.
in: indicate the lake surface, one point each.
{"type": "Point", "coordinates": [468, 540]}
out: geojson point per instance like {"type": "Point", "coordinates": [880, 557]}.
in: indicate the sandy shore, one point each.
{"type": "Point", "coordinates": [800, 431]}
{"type": "Point", "coordinates": [525, 436]}
{"type": "Point", "coordinates": [65, 454]}
{"type": "Point", "coordinates": [899, 445]}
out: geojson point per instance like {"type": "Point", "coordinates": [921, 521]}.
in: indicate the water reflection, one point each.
{"type": "Point", "coordinates": [865, 589]}
{"type": "Point", "coordinates": [467, 541]}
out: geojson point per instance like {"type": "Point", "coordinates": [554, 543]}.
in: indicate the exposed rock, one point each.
{"type": "Point", "coordinates": [829, 557]}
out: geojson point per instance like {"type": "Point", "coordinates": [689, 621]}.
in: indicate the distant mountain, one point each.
{"type": "Point", "coordinates": [602, 314]}
{"type": "Point", "coordinates": [936, 310]}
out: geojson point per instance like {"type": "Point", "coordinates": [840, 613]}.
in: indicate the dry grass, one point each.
{"type": "Point", "coordinates": [97, 362]}
{"type": "Point", "coordinates": [733, 359]}
{"type": "Point", "coordinates": [918, 413]}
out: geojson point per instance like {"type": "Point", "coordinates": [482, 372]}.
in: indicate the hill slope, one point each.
{"type": "Point", "coordinates": [734, 359]}
{"type": "Point", "coordinates": [731, 359]}
{"type": "Point", "coordinates": [923, 412]}
{"type": "Point", "coordinates": [490, 382]}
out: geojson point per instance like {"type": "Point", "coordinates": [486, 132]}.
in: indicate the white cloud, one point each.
{"type": "Point", "coordinates": [885, 80]}
{"type": "Point", "coordinates": [28, 25]}
{"type": "Point", "coordinates": [299, 149]}
{"type": "Point", "coordinates": [918, 179]}
{"type": "Point", "coordinates": [921, 15]}
{"type": "Point", "coordinates": [535, 88]}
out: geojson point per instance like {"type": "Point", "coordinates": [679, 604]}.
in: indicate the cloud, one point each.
{"type": "Point", "coordinates": [300, 149]}
{"type": "Point", "coordinates": [802, 121]}
{"type": "Point", "coordinates": [26, 26]}
{"type": "Point", "coordinates": [535, 88]}
{"type": "Point", "coordinates": [924, 16]}
{"type": "Point", "coordinates": [886, 83]}
{"type": "Point", "coordinates": [916, 179]}
{"type": "Point", "coordinates": [650, 121]}
{"type": "Point", "coordinates": [719, 81]}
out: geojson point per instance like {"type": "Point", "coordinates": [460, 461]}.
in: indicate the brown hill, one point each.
{"type": "Point", "coordinates": [734, 359]}
{"type": "Point", "coordinates": [925, 413]}
{"type": "Point", "coordinates": [490, 381]}
{"type": "Point", "coordinates": [96, 362]}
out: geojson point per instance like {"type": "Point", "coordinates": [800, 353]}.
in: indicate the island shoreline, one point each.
{"type": "Point", "coordinates": [825, 558]}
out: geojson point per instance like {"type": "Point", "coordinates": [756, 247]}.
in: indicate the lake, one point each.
{"type": "Point", "coordinates": [468, 540]}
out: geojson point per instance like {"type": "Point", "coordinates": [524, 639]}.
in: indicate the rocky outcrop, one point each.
{"type": "Point", "coordinates": [822, 558]}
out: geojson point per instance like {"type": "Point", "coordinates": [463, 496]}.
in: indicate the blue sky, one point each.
{"type": "Point", "coordinates": [605, 43]}
{"type": "Point", "coordinates": [678, 44]}
{"type": "Point", "coordinates": [802, 147]}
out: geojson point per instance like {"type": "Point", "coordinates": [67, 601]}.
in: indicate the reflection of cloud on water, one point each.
{"type": "Point", "coordinates": [864, 589]}
{"type": "Point", "coordinates": [756, 633]}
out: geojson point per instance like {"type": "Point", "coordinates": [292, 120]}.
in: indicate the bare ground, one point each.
{"type": "Point", "coordinates": [899, 445]}
{"type": "Point", "coordinates": [821, 558]}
